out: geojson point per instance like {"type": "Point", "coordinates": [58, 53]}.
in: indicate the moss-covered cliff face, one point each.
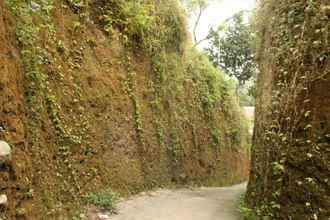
{"type": "Point", "coordinates": [291, 157]}
{"type": "Point", "coordinates": [98, 94]}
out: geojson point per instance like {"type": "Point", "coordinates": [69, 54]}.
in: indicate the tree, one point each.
{"type": "Point", "coordinates": [196, 8]}
{"type": "Point", "coordinates": [231, 48]}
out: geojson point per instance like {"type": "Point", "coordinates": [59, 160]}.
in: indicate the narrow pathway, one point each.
{"type": "Point", "coordinates": [196, 204]}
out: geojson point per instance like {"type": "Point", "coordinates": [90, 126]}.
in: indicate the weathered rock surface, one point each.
{"type": "Point", "coordinates": [83, 110]}
{"type": "Point", "coordinates": [291, 158]}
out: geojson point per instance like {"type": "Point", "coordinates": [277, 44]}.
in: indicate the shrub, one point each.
{"type": "Point", "coordinates": [106, 199]}
{"type": "Point", "coordinates": [246, 213]}
{"type": "Point", "coordinates": [148, 25]}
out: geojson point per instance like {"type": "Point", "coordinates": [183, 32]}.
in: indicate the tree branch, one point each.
{"type": "Point", "coordinates": [200, 41]}
{"type": "Point", "coordinates": [197, 22]}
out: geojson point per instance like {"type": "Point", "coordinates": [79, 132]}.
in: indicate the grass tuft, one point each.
{"type": "Point", "coordinates": [106, 199]}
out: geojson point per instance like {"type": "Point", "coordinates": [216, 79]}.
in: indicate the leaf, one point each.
{"type": "Point", "coordinates": [307, 114]}
{"type": "Point", "coordinates": [309, 126]}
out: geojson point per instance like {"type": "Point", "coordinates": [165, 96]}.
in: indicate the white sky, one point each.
{"type": "Point", "coordinates": [219, 11]}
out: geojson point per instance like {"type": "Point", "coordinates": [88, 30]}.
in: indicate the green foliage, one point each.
{"type": "Point", "coordinates": [196, 8]}
{"type": "Point", "coordinates": [211, 83]}
{"type": "Point", "coordinates": [245, 212]}
{"type": "Point", "coordinates": [143, 24]}
{"type": "Point", "coordinates": [81, 7]}
{"type": "Point", "coordinates": [106, 199]}
{"type": "Point", "coordinates": [193, 5]}
{"type": "Point", "coordinates": [257, 213]}
{"type": "Point", "coordinates": [169, 29]}
{"type": "Point", "coordinates": [278, 168]}
{"type": "Point", "coordinates": [215, 94]}
{"type": "Point", "coordinates": [27, 33]}
{"type": "Point", "coordinates": [231, 48]}
{"type": "Point", "coordinates": [77, 4]}
{"type": "Point", "coordinates": [133, 18]}
{"type": "Point", "coordinates": [289, 32]}
{"type": "Point", "coordinates": [247, 92]}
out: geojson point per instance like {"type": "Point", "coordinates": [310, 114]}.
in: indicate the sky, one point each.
{"type": "Point", "coordinates": [217, 12]}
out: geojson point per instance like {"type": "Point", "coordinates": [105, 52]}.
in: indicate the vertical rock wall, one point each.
{"type": "Point", "coordinates": [291, 146]}
{"type": "Point", "coordinates": [105, 94]}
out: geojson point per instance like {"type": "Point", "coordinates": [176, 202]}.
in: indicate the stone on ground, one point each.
{"type": "Point", "coordinates": [3, 200]}
{"type": "Point", "coordinates": [5, 151]}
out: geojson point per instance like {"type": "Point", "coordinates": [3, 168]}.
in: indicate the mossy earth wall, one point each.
{"type": "Point", "coordinates": [290, 154]}
{"type": "Point", "coordinates": [107, 94]}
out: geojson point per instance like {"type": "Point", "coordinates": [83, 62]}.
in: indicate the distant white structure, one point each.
{"type": "Point", "coordinates": [249, 112]}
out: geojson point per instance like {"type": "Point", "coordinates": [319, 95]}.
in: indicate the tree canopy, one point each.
{"type": "Point", "coordinates": [196, 8]}
{"type": "Point", "coordinates": [231, 48]}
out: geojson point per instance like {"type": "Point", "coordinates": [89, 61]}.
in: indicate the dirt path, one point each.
{"type": "Point", "coordinates": [196, 204]}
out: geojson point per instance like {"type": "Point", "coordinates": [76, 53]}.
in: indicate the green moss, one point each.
{"type": "Point", "coordinates": [212, 88]}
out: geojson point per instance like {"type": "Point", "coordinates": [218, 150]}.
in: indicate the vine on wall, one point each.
{"type": "Point", "coordinates": [296, 58]}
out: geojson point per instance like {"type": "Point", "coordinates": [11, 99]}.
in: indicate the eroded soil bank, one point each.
{"type": "Point", "coordinates": [107, 94]}
{"type": "Point", "coordinates": [291, 157]}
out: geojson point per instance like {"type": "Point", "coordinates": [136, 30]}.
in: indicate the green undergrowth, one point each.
{"type": "Point", "coordinates": [147, 25]}
{"type": "Point", "coordinates": [251, 214]}
{"type": "Point", "coordinates": [246, 213]}
{"type": "Point", "coordinates": [212, 87]}
{"type": "Point", "coordinates": [106, 199]}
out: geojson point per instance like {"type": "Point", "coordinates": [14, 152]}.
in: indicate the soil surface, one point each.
{"type": "Point", "coordinates": [185, 204]}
